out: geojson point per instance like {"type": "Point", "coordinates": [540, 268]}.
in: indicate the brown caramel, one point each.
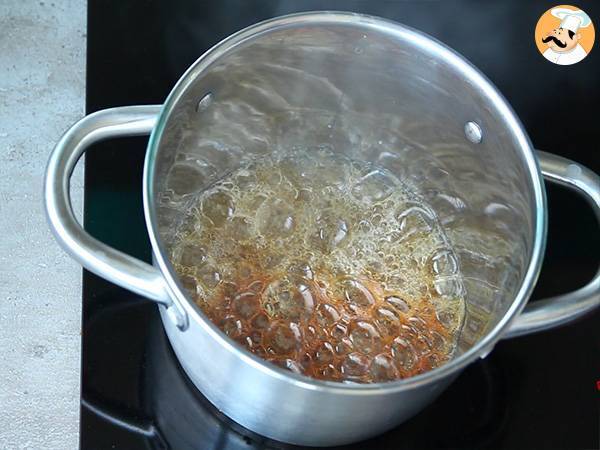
{"type": "Point", "coordinates": [325, 266]}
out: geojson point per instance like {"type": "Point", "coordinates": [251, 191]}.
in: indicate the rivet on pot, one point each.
{"type": "Point", "coordinates": [473, 132]}
{"type": "Point", "coordinates": [204, 102]}
{"type": "Point", "coordinates": [573, 170]}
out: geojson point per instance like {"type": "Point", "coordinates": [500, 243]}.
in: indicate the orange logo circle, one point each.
{"type": "Point", "coordinates": [564, 35]}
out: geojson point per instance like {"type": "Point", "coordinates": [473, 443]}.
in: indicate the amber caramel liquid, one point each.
{"type": "Point", "coordinates": [326, 266]}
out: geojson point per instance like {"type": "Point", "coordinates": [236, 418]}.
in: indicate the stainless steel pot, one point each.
{"type": "Point", "coordinates": [377, 91]}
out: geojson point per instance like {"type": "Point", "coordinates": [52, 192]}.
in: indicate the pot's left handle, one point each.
{"type": "Point", "coordinates": [107, 262]}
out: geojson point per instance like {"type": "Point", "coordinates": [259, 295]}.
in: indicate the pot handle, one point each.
{"type": "Point", "coordinates": [556, 311]}
{"type": "Point", "coordinates": [109, 263]}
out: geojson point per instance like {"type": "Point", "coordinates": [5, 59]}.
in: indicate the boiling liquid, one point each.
{"type": "Point", "coordinates": [324, 265]}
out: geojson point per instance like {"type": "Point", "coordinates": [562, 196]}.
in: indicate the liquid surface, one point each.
{"type": "Point", "coordinates": [325, 266]}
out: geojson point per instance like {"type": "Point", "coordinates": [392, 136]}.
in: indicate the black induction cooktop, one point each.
{"type": "Point", "coordinates": [539, 391]}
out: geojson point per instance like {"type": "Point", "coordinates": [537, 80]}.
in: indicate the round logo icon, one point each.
{"type": "Point", "coordinates": [564, 35]}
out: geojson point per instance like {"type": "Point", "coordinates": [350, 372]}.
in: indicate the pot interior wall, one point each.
{"type": "Point", "coordinates": [374, 96]}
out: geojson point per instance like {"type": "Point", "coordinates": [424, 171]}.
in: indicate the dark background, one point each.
{"type": "Point", "coordinates": [531, 392]}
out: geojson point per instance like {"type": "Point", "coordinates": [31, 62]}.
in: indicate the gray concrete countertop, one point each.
{"type": "Point", "coordinates": [42, 91]}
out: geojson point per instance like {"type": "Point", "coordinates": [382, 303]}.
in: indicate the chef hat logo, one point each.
{"type": "Point", "coordinates": [564, 35]}
{"type": "Point", "coordinates": [571, 19]}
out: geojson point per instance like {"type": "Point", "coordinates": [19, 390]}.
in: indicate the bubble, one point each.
{"type": "Point", "coordinates": [332, 232]}
{"type": "Point", "coordinates": [383, 368]}
{"type": "Point", "coordinates": [241, 228]}
{"type": "Point", "coordinates": [417, 323]}
{"type": "Point", "coordinates": [275, 219]}
{"type": "Point", "coordinates": [256, 286]}
{"type": "Point", "coordinates": [304, 196]}
{"type": "Point", "coordinates": [246, 304]}
{"type": "Point", "coordinates": [365, 337]}
{"type": "Point", "coordinates": [414, 219]}
{"type": "Point", "coordinates": [376, 186]}
{"type": "Point", "coordinates": [329, 372]}
{"type": "Point", "coordinates": [423, 345]}
{"type": "Point", "coordinates": [209, 276]}
{"type": "Point", "coordinates": [404, 354]}
{"type": "Point", "coordinates": [311, 337]}
{"type": "Point", "coordinates": [443, 262]}
{"type": "Point", "coordinates": [189, 284]}
{"type": "Point", "coordinates": [305, 361]}
{"type": "Point", "coordinates": [448, 287]}
{"type": "Point", "coordinates": [255, 201]}
{"type": "Point", "coordinates": [339, 331]}
{"type": "Point", "coordinates": [185, 179]}
{"type": "Point", "coordinates": [357, 296]}
{"type": "Point", "coordinates": [364, 225]}
{"type": "Point", "coordinates": [376, 219]}
{"type": "Point", "coordinates": [192, 256]}
{"type": "Point", "coordinates": [438, 342]}
{"type": "Point", "coordinates": [387, 321]}
{"type": "Point", "coordinates": [447, 317]}
{"type": "Point", "coordinates": [433, 360]}
{"type": "Point", "coordinates": [260, 321]}
{"type": "Point", "coordinates": [256, 337]}
{"type": "Point", "coordinates": [397, 303]}
{"type": "Point", "coordinates": [218, 207]}
{"type": "Point", "coordinates": [324, 353]}
{"type": "Point", "coordinates": [301, 269]}
{"type": "Point", "coordinates": [344, 346]}
{"type": "Point", "coordinates": [355, 365]}
{"type": "Point", "coordinates": [287, 298]}
{"type": "Point", "coordinates": [232, 326]}
{"type": "Point", "coordinates": [282, 339]}
{"type": "Point", "coordinates": [327, 315]}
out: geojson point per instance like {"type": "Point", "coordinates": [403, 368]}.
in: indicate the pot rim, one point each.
{"type": "Point", "coordinates": [441, 51]}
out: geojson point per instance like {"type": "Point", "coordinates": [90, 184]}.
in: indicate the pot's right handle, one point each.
{"type": "Point", "coordinates": [555, 311]}
{"type": "Point", "coordinates": [107, 262]}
